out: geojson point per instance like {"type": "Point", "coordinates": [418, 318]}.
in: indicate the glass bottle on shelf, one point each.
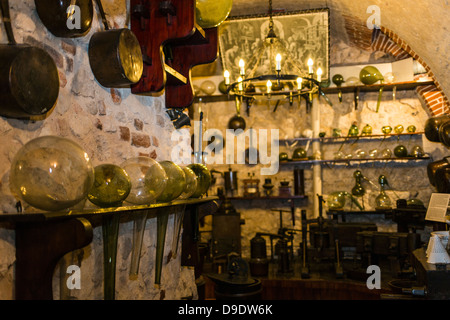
{"type": "Point", "coordinates": [358, 190]}
{"type": "Point", "coordinates": [382, 200]}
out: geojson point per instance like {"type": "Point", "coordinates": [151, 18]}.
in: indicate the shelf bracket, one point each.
{"type": "Point", "coordinates": [39, 247]}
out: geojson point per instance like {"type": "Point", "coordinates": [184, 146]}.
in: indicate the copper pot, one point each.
{"type": "Point", "coordinates": [29, 79]}
{"type": "Point", "coordinates": [433, 167]}
{"type": "Point", "coordinates": [443, 180]}
{"type": "Point", "coordinates": [444, 133]}
{"type": "Point", "coordinates": [55, 15]}
{"type": "Point", "coordinates": [432, 126]}
{"type": "Point", "coordinates": [115, 56]}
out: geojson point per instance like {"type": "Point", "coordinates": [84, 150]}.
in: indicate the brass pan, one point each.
{"type": "Point", "coordinates": [29, 79]}
{"type": "Point", "coordinates": [63, 20]}
{"type": "Point", "coordinates": [115, 56]}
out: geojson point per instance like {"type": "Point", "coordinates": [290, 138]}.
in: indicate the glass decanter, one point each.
{"type": "Point", "coordinates": [382, 200]}
{"type": "Point", "coordinates": [358, 190]}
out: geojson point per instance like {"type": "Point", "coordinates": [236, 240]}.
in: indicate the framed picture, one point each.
{"type": "Point", "coordinates": [304, 34]}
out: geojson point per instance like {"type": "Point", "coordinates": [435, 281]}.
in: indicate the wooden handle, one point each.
{"type": "Point", "coordinates": [6, 17]}
{"type": "Point", "coordinates": [102, 13]}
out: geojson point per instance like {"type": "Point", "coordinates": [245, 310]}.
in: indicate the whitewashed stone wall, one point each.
{"type": "Point", "coordinates": [112, 126]}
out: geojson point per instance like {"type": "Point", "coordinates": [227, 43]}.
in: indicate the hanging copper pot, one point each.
{"type": "Point", "coordinates": [444, 133]}
{"type": "Point", "coordinates": [115, 56]}
{"type": "Point", "coordinates": [432, 126]}
{"type": "Point", "coordinates": [66, 18]}
{"type": "Point", "coordinates": [29, 79]}
{"type": "Point", "coordinates": [433, 168]}
{"type": "Point", "coordinates": [443, 180]}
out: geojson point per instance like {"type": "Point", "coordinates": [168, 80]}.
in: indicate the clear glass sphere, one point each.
{"type": "Point", "coordinates": [191, 183]}
{"type": "Point", "coordinates": [51, 173]}
{"type": "Point", "coordinates": [112, 185]}
{"type": "Point", "coordinates": [176, 181]}
{"type": "Point", "coordinates": [148, 180]}
{"type": "Point", "coordinates": [208, 87]}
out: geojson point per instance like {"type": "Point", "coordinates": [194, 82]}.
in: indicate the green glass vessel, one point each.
{"type": "Point", "coordinates": [386, 129]}
{"type": "Point", "coordinates": [336, 200]}
{"type": "Point", "coordinates": [203, 179]}
{"type": "Point", "coordinates": [400, 151]}
{"type": "Point", "coordinates": [383, 201]}
{"type": "Point", "coordinates": [299, 154]}
{"type": "Point", "coordinates": [191, 183]}
{"type": "Point", "coordinates": [370, 75]}
{"type": "Point", "coordinates": [338, 80]}
{"type": "Point", "coordinates": [353, 131]}
{"type": "Point", "coordinates": [358, 190]}
{"type": "Point", "coordinates": [112, 185]}
{"type": "Point", "coordinates": [283, 156]}
{"type": "Point", "coordinates": [176, 182]}
{"type": "Point", "coordinates": [367, 130]}
{"type": "Point", "coordinates": [399, 129]}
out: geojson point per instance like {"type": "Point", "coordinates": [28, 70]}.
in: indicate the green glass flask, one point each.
{"type": "Point", "coordinates": [382, 200]}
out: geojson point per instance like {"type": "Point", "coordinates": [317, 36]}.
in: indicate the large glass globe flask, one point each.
{"type": "Point", "coordinates": [51, 173]}
{"type": "Point", "coordinates": [148, 180]}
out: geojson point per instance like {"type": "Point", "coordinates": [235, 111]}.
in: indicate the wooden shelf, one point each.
{"type": "Point", "coordinates": [43, 238]}
{"type": "Point", "coordinates": [360, 137]}
{"type": "Point", "coordinates": [402, 159]}
{"type": "Point", "coordinates": [410, 85]}
{"type": "Point", "coordinates": [270, 198]}
{"type": "Point", "coordinates": [48, 215]}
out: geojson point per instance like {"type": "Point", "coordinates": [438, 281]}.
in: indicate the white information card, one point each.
{"type": "Point", "coordinates": [437, 208]}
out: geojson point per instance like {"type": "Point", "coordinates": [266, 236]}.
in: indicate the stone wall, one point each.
{"type": "Point", "coordinates": [407, 180]}
{"type": "Point", "coordinates": [112, 125]}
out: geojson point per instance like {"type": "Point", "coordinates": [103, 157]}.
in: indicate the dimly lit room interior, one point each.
{"type": "Point", "coordinates": [218, 150]}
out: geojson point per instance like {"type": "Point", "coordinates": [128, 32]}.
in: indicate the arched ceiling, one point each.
{"type": "Point", "coordinates": [423, 25]}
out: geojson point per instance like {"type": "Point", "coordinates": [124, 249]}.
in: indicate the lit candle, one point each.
{"type": "Point", "coordinates": [240, 86]}
{"type": "Point", "coordinates": [242, 67]}
{"type": "Point", "coordinates": [226, 74]}
{"type": "Point", "coordinates": [299, 83]}
{"type": "Point", "coordinates": [269, 86]}
{"type": "Point", "coordinates": [278, 59]}
{"type": "Point", "coordinates": [310, 65]}
{"type": "Point", "coordinates": [319, 75]}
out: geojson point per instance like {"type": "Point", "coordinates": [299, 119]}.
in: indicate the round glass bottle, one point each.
{"type": "Point", "coordinates": [382, 200]}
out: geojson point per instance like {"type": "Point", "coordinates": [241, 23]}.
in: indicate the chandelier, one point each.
{"type": "Point", "coordinates": [276, 84]}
